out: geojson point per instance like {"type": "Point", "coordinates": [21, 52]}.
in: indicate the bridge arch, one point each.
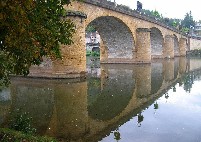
{"type": "Point", "coordinates": [117, 38]}
{"type": "Point", "coordinates": [157, 40]}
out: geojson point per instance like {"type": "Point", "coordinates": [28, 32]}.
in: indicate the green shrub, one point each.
{"type": "Point", "coordinates": [92, 53]}
{"type": "Point", "coordinates": [22, 122]}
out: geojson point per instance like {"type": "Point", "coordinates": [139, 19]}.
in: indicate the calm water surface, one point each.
{"type": "Point", "coordinates": [116, 102]}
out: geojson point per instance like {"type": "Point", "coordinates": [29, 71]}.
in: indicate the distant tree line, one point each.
{"type": "Point", "coordinates": [184, 25]}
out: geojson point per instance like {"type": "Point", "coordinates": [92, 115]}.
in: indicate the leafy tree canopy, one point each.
{"type": "Point", "coordinates": [31, 29]}
{"type": "Point", "coordinates": [90, 29]}
{"type": "Point", "coordinates": [188, 21]}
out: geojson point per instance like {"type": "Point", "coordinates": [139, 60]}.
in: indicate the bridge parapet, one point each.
{"type": "Point", "coordinates": [126, 10]}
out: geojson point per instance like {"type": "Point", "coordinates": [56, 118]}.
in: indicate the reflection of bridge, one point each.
{"type": "Point", "coordinates": [90, 110]}
{"type": "Point", "coordinates": [127, 37]}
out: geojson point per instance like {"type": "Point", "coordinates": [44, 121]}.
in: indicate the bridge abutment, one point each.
{"type": "Point", "coordinates": [73, 61]}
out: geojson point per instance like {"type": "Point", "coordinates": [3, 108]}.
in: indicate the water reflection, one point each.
{"type": "Point", "coordinates": [90, 109]}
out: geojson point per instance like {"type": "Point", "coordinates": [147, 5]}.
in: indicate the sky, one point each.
{"type": "Point", "coordinates": [168, 8]}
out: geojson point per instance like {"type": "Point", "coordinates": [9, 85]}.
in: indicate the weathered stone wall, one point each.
{"type": "Point", "coordinates": [73, 62]}
{"type": "Point", "coordinates": [195, 43]}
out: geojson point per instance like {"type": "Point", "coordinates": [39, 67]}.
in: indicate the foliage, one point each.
{"type": "Point", "coordinates": [183, 25]}
{"type": "Point", "coordinates": [31, 29]}
{"type": "Point", "coordinates": [8, 135]}
{"type": "Point", "coordinates": [188, 21]}
{"type": "Point", "coordinates": [22, 122]}
{"type": "Point", "coordinates": [156, 14]}
{"type": "Point", "coordinates": [185, 30]}
{"type": "Point", "coordinates": [92, 53]}
{"type": "Point", "coordinates": [90, 29]}
{"type": "Point", "coordinates": [153, 14]}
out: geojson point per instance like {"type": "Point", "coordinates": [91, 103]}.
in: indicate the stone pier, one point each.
{"type": "Point", "coordinates": [168, 51]}
{"type": "Point", "coordinates": [143, 45]}
{"type": "Point", "coordinates": [182, 46]}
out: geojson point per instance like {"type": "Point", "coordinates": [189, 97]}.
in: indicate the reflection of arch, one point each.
{"type": "Point", "coordinates": [156, 43]}
{"type": "Point", "coordinates": [114, 97]}
{"type": "Point", "coordinates": [116, 36]}
{"type": "Point", "coordinates": [176, 45]}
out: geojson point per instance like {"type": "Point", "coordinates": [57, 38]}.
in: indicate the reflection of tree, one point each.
{"type": "Point", "coordinates": [140, 119]}
{"type": "Point", "coordinates": [156, 105]}
{"type": "Point", "coordinates": [187, 82]}
{"type": "Point", "coordinates": [188, 79]}
{"type": "Point", "coordinates": [174, 89]}
{"type": "Point", "coordinates": [21, 121]}
{"type": "Point", "coordinates": [117, 135]}
{"type": "Point", "coordinates": [166, 95]}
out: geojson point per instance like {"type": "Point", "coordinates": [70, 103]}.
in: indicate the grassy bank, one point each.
{"type": "Point", "coordinates": [8, 135]}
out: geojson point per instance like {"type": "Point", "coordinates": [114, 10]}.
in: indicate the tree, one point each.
{"type": "Point", "coordinates": [188, 21]}
{"type": "Point", "coordinates": [156, 14]}
{"type": "Point", "coordinates": [90, 29]}
{"type": "Point", "coordinates": [31, 29]}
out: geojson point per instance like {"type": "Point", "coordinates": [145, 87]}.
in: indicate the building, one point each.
{"type": "Point", "coordinates": [197, 29]}
{"type": "Point", "coordinates": [93, 41]}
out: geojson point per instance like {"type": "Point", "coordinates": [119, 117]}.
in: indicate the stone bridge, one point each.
{"type": "Point", "coordinates": [126, 37]}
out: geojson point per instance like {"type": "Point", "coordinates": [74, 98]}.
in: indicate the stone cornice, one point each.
{"type": "Point", "coordinates": [76, 14]}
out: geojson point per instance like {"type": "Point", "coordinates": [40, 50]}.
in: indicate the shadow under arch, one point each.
{"type": "Point", "coordinates": [116, 36]}
{"type": "Point", "coordinates": [176, 45]}
{"type": "Point", "coordinates": [156, 43]}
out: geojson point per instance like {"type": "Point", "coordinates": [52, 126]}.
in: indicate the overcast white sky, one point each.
{"type": "Point", "coordinates": [168, 8]}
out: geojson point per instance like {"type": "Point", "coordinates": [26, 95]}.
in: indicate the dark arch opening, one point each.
{"type": "Point", "coordinates": [116, 36]}
{"type": "Point", "coordinates": [156, 43]}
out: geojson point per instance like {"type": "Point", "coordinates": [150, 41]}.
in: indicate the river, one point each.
{"type": "Point", "coordinates": [155, 102]}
